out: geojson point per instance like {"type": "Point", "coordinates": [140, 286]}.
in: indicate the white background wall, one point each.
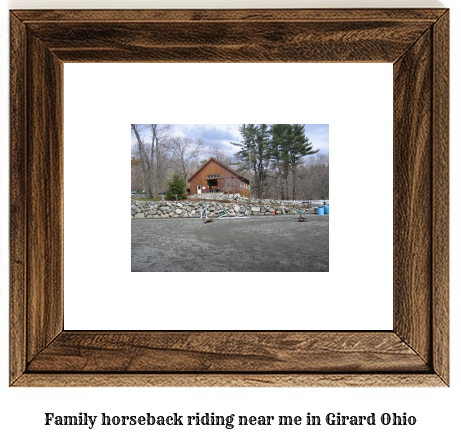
{"type": "Point", "coordinates": [22, 410]}
{"type": "Point", "coordinates": [355, 99]}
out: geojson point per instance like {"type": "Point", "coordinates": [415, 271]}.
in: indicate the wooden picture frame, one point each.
{"type": "Point", "coordinates": [414, 353]}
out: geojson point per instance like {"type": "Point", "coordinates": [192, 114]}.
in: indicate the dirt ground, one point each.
{"type": "Point", "coordinates": [265, 243]}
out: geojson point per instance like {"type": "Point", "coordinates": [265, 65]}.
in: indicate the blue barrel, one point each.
{"type": "Point", "coordinates": [321, 211]}
{"type": "Point", "coordinates": [327, 209]}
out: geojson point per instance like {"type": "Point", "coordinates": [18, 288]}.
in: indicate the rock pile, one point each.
{"type": "Point", "coordinates": [189, 209]}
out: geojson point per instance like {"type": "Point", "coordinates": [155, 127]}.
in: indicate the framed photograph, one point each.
{"type": "Point", "coordinates": [414, 353]}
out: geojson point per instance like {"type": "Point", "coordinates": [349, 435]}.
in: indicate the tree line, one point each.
{"type": "Point", "coordinates": [156, 155]}
{"type": "Point", "coordinates": [279, 148]}
{"type": "Point", "coordinates": [278, 159]}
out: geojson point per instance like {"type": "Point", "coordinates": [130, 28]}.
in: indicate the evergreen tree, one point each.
{"type": "Point", "coordinates": [279, 157]}
{"type": "Point", "coordinates": [262, 157]}
{"type": "Point", "coordinates": [300, 147]}
{"type": "Point", "coordinates": [255, 153]}
{"type": "Point", "coordinates": [176, 188]}
{"type": "Point", "coordinates": [289, 146]}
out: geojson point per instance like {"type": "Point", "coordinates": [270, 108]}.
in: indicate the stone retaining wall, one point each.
{"type": "Point", "coordinates": [189, 209]}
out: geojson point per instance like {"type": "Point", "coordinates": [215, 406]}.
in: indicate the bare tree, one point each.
{"type": "Point", "coordinates": [313, 178]}
{"type": "Point", "coordinates": [145, 156]}
{"type": "Point", "coordinates": [322, 176]}
{"type": "Point", "coordinates": [149, 140]}
{"type": "Point", "coordinates": [218, 153]}
{"type": "Point", "coordinates": [186, 153]}
{"type": "Point", "coordinates": [229, 184]}
{"type": "Point", "coordinates": [137, 180]}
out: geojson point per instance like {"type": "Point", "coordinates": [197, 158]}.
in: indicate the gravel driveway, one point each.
{"type": "Point", "coordinates": [265, 243]}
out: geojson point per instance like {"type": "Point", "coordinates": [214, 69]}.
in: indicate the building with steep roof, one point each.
{"type": "Point", "coordinates": [214, 176]}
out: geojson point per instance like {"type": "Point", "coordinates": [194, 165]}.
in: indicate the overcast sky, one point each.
{"type": "Point", "coordinates": [224, 134]}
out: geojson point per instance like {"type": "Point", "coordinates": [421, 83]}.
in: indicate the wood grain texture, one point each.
{"type": "Point", "coordinates": [413, 196]}
{"type": "Point", "coordinates": [414, 354]}
{"type": "Point", "coordinates": [244, 41]}
{"type": "Point", "coordinates": [235, 352]}
{"type": "Point", "coordinates": [18, 211]}
{"type": "Point", "coordinates": [204, 15]}
{"type": "Point", "coordinates": [441, 195]}
{"type": "Point", "coordinates": [230, 380]}
{"type": "Point", "coordinates": [45, 246]}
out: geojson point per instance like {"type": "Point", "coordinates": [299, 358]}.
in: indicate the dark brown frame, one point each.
{"type": "Point", "coordinates": [414, 353]}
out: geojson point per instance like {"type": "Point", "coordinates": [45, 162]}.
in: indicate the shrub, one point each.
{"type": "Point", "coordinates": [176, 188]}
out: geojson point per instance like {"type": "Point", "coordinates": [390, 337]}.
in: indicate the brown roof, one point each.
{"type": "Point", "coordinates": [220, 163]}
